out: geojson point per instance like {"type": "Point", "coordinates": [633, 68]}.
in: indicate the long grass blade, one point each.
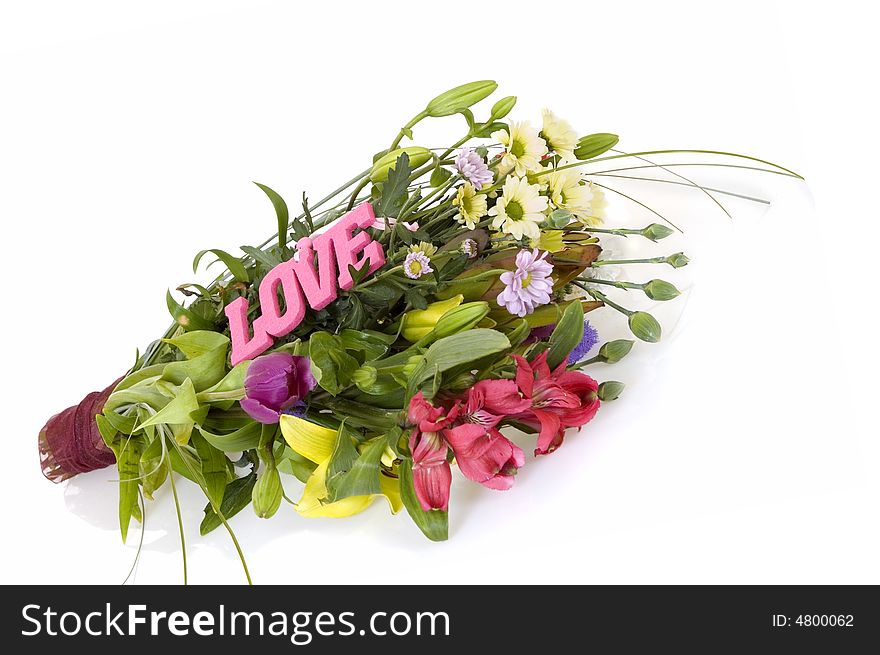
{"type": "Point", "coordinates": [640, 203]}
{"type": "Point", "coordinates": [656, 179]}
{"type": "Point", "coordinates": [681, 177]}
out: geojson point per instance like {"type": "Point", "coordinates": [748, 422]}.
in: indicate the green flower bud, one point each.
{"type": "Point", "coordinates": [461, 97]}
{"type": "Point", "coordinates": [461, 382]}
{"type": "Point", "coordinates": [417, 157]}
{"type": "Point", "coordinates": [655, 232]}
{"type": "Point", "coordinates": [502, 108]}
{"type": "Point", "coordinates": [482, 151]}
{"type": "Point", "coordinates": [364, 377]}
{"type": "Point", "coordinates": [677, 260]}
{"type": "Point", "coordinates": [660, 290]}
{"type": "Point", "coordinates": [614, 351]}
{"type": "Point", "coordinates": [266, 495]}
{"type": "Point", "coordinates": [610, 390]}
{"type": "Point", "coordinates": [412, 364]}
{"type": "Point", "coordinates": [594, 145]}
{"type": "Point", "coordinates": [645, 327]}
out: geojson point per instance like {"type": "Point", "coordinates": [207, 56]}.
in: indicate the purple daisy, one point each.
{"type": "Point", "coordinates": [529, 285]}
{"type": "Point", "coordinates": [472, 167]}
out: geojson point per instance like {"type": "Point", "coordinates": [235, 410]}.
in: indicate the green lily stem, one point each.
{"type": "Point", "coordinates": [585, 362]}
{"type": "Point", "coordinates": [406, 128]}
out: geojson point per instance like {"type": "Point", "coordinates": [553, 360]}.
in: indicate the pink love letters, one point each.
{"type": "Point", "coordinates": [314, 277]}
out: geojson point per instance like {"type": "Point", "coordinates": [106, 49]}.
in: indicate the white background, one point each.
{"type": "Point", "coordinates": [744, 449]}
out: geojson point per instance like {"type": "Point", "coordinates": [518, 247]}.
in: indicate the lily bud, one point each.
{"type": "Point", "coordinates": [502, 108]}
{"type": "Point", "coordinates": [267, 492]}
{"type": "Point", "coordinates": [614, 351]}
{"type": "Point", "coordinates": [594, 145]}
{"type": "Point", "coordinates": [419, 322]}
{"type": "Point", "coordinates": [610, 390]}
{"type": "Point", "coordinates": [459, 319]}
{"type": "Point", "coordinates": [677, 260]}
{"type": "Point", "coordinates": [645, 327]}
{"type": "Point", "coordinates": [461, 97]}
{"type": "Point", "coordinates": [417, 156]}
{"type": "Point", "coordinates": [660, 290]}
{"type": "Point", "coordinates": [655, 232]}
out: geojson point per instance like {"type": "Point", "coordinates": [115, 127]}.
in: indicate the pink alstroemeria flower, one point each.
{"type": "Point", "coordinates": [432, 476]}
{"type": "Point", "coordinates": [559, 399]}
{"type": "Point", "coordinates": [483, 454]}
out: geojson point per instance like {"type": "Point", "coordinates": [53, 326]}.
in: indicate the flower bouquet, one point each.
{"type": "Point", "coordinates": [389, 332]}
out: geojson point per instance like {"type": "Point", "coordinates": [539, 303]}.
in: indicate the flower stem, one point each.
{"type": "Point", "coordinates": [609, 262]}
{"type": "Point", "coordinates": [598, 295]}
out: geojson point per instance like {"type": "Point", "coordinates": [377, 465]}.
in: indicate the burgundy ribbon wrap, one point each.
{"type": "Point", "coordinates": [70, 442]}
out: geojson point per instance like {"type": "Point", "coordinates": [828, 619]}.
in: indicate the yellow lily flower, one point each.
{"type": "Point", "coordinates": [315, 442]}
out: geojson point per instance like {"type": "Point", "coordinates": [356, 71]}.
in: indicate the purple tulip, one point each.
{"type": "Point", "coordinates": [274, 383]}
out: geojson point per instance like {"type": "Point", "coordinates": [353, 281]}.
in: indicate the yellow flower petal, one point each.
{"type": "Point", "coordinates": [312, 441]}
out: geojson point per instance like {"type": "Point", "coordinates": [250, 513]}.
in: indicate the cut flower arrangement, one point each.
{"type": "Point", "coordinates": [388, 333]}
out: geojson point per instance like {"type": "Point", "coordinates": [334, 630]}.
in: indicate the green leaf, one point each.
{"type": "Point", "coordinates": [462, 348]}
{"type": "Point", "coordinates": [244, 438]}
{"type": "Point", "coordinates": [186, 318]}
{"type": "Point", "coordinates": [292, 463]}
{"type": "Point", "coordinates": [394, 189]}
{"type": "Point", "coordinates": [593, 145]}
{"type": "Point", "coordinates": [610, 390]}
{"type": "Point", "coordinates": [645, 327]}
{"type": "Point", "coordinates": [199, 342]}
{"type": "Point", "coordinates": [128, 459]}
{"type": "Point", "coordinates": [416, 299]}
{"type": "Point", "coordinates": [439, 176]}
{"type": "Point", "coordinates": [214, 467]}
{"type": "Point", "coordinates": [344, 455]}
{"type": "Point", "coordinates": [567, 334]}
{"type": "Point", "coordinates": [236, 497]}
{"type": "Point", "coordinates": [373, 344]}
{"type": "Point", "coordinates": [281, 212]}
{"type": "Point", "coordinates": [204, 371]}
{"type": "Point", "coordinates": [180, 410]}
{"type": "Point", "coordinates": [232, 263]}
{"type": "Point", "coordinates": [268, 260]}
{"type": "Point", "coordinates": [267, 492]}
{"type": "Point", "coordinates": [458, 98]}
{"type": "Point", "coordinates": [434, 523]}
{"type": "Point", "coordinates": [331, 365]}
{"type": "Point", "coordinates": [362, 479]}
{"type": "Point", "coordinates": [154, 467]}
